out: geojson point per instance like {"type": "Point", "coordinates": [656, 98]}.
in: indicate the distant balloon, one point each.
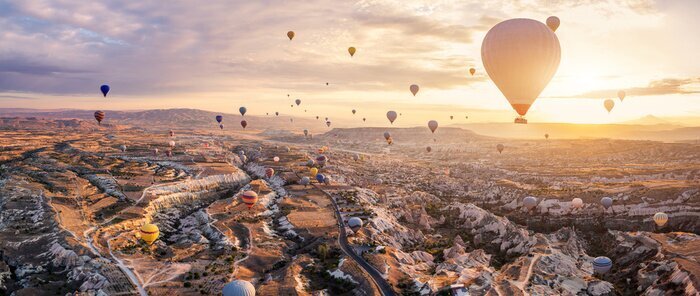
{"type": "Point", "coordinates": [310, 162]}
{"type": "Point", "coordinates": [219, 118]}
{"type": "Point", "coordinates": [606, 202]}
{"type": "Point", "coordinates": [387, 135]}
{"type": "Point", "coordinates": [306, 132]}
{"type": "Point", "coordinates": [290, 35]}
{"type": "Point", "coordinates": [355, 224]}
{"type": "Point", "coordinates": [530, 202]}
{"type": "Point", "coordinates": [149, 233]}
{"type": "Point", "coordinates": [609, 104]}
{"type": "Point", "coordinates": [364, 119]}
{"type": "Point", "coordinates": [660, 219]}
{"type": "Point", "coordinates": [451, 117]}
{"type": "Point", "coordinates": [602, 264]}
{"type": "Point", "coordinates": [321, 160]}
{"type": "Point", "coordinates": [221, 126]}
{"type": "Point", "coordinates": [238, 288]}
{"type": "Point", "coordinates": [353, 111]}
{"type": "Point", "coordinates": [169, 153]}
{"type": "Point", "coordinates": [553, 23]}
{"type": "Point", "coordinates": [356, 157]}
{"type": "Point", "coordinates": [621, 95]}
{"type": "Point", "coordinates": [243, 110]}
{"type": "Point", "coordinates": [414, 89]}
{"type": "Point", "coordinates": [328, 123]}
{"type": "Point", "coordinates": [326, 83]}
{"type": "Point", "coordinates": [155, 151]}
{"type": "Point", "coordinates": [244, 123]}
{"type": "Point", "coordinates": [577, 203]}
{"type": "Point", "coordinates": [432, 125]}
{"type": "Point", "coordinates": [313, 172]}
{"type": "Point", "coordinates": [352, 50]}
{"type": "Point", "coordinates": [428, 149]}
{"type": "Point", "coordinates": [520, 56]}
{"type": "Point", "coordinates": [320, 178]}
{"type": "Point", "coordinates": [304, 181]}
{"type": "Point", "coordinates": [104, 89]}
{"type": "Point", "coordinates": [326, 119]}
{"type": "Point", "coordinates": [277, 114]}
{"type": "Point", "coordinates": [122, 148]}
{"type": "Point", "coordinates": [316, 117]}
{"type": "Point", "coordinates": [276, 159]}
{"type": "Point", "coordinates": [99, 116]}
{"type": "Point", "coordinates": [546, 136]}
{"type": "Point", "coordinates": [298, 102]}
{"type": "Point", "coordinates": [249, 198]}
{"type": "Point", "coordinates": [172, 133]}
{"type": "Point", "coordinates": [327, 180]}
{"type": "Point", "coordinates": [391, 115]}
{"type": "Point", "coordinates": [243, 158]}
{"type": "Point", "coordinates": [499, 147]}
{"type": "Point", "coordinates": [472, 71]}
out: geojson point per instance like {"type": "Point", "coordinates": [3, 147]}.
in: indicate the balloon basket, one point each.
{"type": "Point", "coordinates": [520, 120]}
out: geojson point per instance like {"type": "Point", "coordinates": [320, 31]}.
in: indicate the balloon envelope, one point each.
{"type": "Point", "coordinates": [238, 288]}
{"type": "Point", "coordinates": [577, 203]}
{"type": "Point", "coordinates": [609, 104]}
{"type": "Point", "coordinates": [391, 115]}
{"type": "Point", "coordinates": [304, 181]}
{"type": "Point", "coordinates": [432, 125]}
{"type": "Point", "coordinates": [99, 116]}
{"type": "Point", "coordinates": [320, 178]}
{"type": "Point", "coordinates": [244, 123]}
{"type": "Point", "coordinates": [387, 135]}
{"type": "Point", "coordinates": [149, 233]}
{"type": "Point", "coordinates": [660, 219]}
{"type": "Point", "coordinates": [249, 198]}
{"type": "Point", "coordinates": [602, 264]}
{"type": "Point", "coordinates": [520, 56]}
{"type": "Point", "coordinates": [290, 35]}
{"type": "Point", "coordinates": [104, 89]}
{"type": "Point", "coordinates": [621, 95]}
{"type": "Point", "coordinates": [530, 202]}
{"type": "Point", "coordinates": [355, 223]}
{"type": "Point", "coordinates": [352, 50]}
{"type": "Point", "coordinates": [499, 147]}
{"type": "Point", "coordinates": [553, 23]}
{"type": "Point", "coordinates": [298, 102]}
{"type": "Point", "coordinates": [243, 110]}
{"type": "Point", "coordinates": [219, 118]}
{"type": "Point", "coordinates": [472, 71]}
{"type": "Point", "coordinates": [606, 202]}
{"type": "Point", "coordinates": [414, 89]}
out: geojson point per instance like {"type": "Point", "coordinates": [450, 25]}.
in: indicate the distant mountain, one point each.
{"type": "Point", "coordinates": [650, 120]}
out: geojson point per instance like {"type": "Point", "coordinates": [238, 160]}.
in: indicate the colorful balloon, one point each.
{"type": "Point", "coordinates": [546, 136]}
{"type": "Point", "coordinates": [104, 89]}
{"type": "Point", "coordinates": [391, 115]}
{"type": "Point", "coordinates": [660, 219]}
{"type": "Point", "coordinates": [99, 116]}
{"type": "Point", "coordinates": [249, 198]}
{"type": "Point", "coordinates": [352, 50]}
{"type": "Point", "coordinates": [313, 172]}
{"type": "Point", "coordinates": [149, 233]}
{"type": "Point", "coordinates": [521, 57]}
{"type": "Point", "coordinates": [219, 118]}
{"type": "Point", "coordinates": [320, 178]}
{"type": "Point", "coordinates": [355, 224]}
{"type": "Point", "coordinates": [304, 181]}
{"type": "Point", "coordinates": [553, 23]}
{"type": "Point", "coordinates": [602, 264]}
{"type": "Point", "coordinates": [269, 172]}
{"type": "Point", "coordinates": [244, 123]}
{"type": "Point", "coordinates": [276, 159]}
{"type": "Point", "coordinates": [387, 135]}
{"type": "Point", "coordinates": [243, 110]}
{"type": "Point", "coordinates": [577, 203]}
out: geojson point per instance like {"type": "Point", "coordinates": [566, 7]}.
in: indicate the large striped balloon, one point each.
{"type": "Point", "coordinates": [602, 264]}
{"type": "Point", "coordinates": [99, 116]}
{"type": "Point", "coordinates": [249, 198]}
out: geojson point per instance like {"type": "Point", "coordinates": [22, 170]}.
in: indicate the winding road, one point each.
{"type": "Point", "coordinates": [379, 281]}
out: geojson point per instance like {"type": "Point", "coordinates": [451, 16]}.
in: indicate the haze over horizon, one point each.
{"type": "Point", "coordinates": [217, 58]}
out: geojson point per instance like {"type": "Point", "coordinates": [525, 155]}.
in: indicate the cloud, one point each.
{"type": "Point", "coordinates": [668, 86]}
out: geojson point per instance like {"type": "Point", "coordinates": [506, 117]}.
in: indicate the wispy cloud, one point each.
{"type": "Point", "coordinates": [668, 86]}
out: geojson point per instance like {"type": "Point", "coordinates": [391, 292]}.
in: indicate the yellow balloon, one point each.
{"type": "Point", "coordinates": [149, 233]}
{"type": "Point", "coordinates": [352, 50]}
{"type": "Point", "coordinates": [660, 219]}
{"type": "Point", "coordinates": [314, 172]}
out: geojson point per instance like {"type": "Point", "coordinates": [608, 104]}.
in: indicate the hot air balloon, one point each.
{"type": "Point", "coordinates": [355, 224]}
{"type": "Point", "coordinates": [310, 162]}
{"type": "Point", "coordinates": [99, 116]}
{"type": "Point", "coordinates": [306, 132]}
{"type": "Point", "coordinates": [621, 94]}
{"type": "Point", "coordinates": [244, 123]}
{"type": "Point", "coordinates": [320, 178]}
{"type": "Point", "coordinates": [313, 172]}
{"type": "Point", "coordinates": [298, 102]}
{"type": "Point", "coordinates": [387, 135]}
{"type": "Point", "coordinates": [239, 287]}
{"type": "Point", "coordinates": [660, 219]}
{"type": "Point", "coordinates": [169, 153]}
{"type": "Point", "coordinates": [290, 35]}
{"type": "Point", "coordinates": [530, 202]}
{"type": "Point", "coordinates": [269, 172]}
{"type": "Point", "coordinates": [316, 117]}
{"type": "Point", "coordinates": [149, 233]}
{"type": "Point", "coordinates": [171, 143]}
{"type": "Point", "coordinates": [521, 56]}
{"type": "Point", "coordinates": [155, 151]}
{"type": "Point", "coordinates": [171, 133]}
{"type": "Point", "coordinates": [451, 117]}
{"type": "Point", "coordinates": [243, 110]}
{"type": "Point", "coordinates": [321, 160]}
{"type": "Point", "coordinates": [328, 123]}
{"type": "Point", "coordinates": [356, 157]}
{"type": "Point", "coordinates": [472, 71]}
{"type": "Point", "coordinates": [390, 141]}
{"type": "Point", "coordinates": [499, 147]}
{"type": "Point", "coordinates": [353, 111]}
{"type": "Point", "coordinates": [326, 83]}
{"type": "Point", "coordinates": [428, 149]}
{"type": "Point", "coordinates": [249, 198]}
{"type": "Point", "coordinates": [276, 159]}
{"type": "Point", "coordinates": [391, 115]}
{"type": "Point", "coordinates": [432, 125]}
{"type": "Point", "coordinates": [414, 89]}
{"type": "Point", "coordinates": [327, 180]}
{"type": "Point", "coordinates": [352, 50]}
{"type": "Point", "coordinates": [553, 23]}
{"type": "Point", "coordinates": [326, 119]}
{"type": "Point", "coordinates": [304, 181]}
{"type": "Point", "coordinates": [219, 118]}
{"type": "Point", "coordinates": [577, 203]}
{"type": "Point", "coordinates": [221, 126]}
{"type": "Point", "coordinates": [546, 136]}
{"type": "Point", "coordinates": [606, 202]}
{"type": "Point", "coordinates": [104, 89]}
{"type": "Point", "coordinates": [287, 149]}
{"type": "Point", "coordinates": [602, 264]}
{"type": "Point", "coordinates": [277, 114]}
{"type": "Point", "coordinates": [609, 104]}
{"type": "Point", "coordinates": [364, 119]}
{"type": "Point", "coordinates": [243, 158]}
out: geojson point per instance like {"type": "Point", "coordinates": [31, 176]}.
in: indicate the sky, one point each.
{"type": "Point", "coordinates": [220, 55]}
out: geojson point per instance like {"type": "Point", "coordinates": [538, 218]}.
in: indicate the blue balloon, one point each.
{"type": "Point", "coordinates": [104, 89]}
{"type": "Point", "coordinates": [219, 118]}
{"type": "Point", "coordinates": [320, 178]}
